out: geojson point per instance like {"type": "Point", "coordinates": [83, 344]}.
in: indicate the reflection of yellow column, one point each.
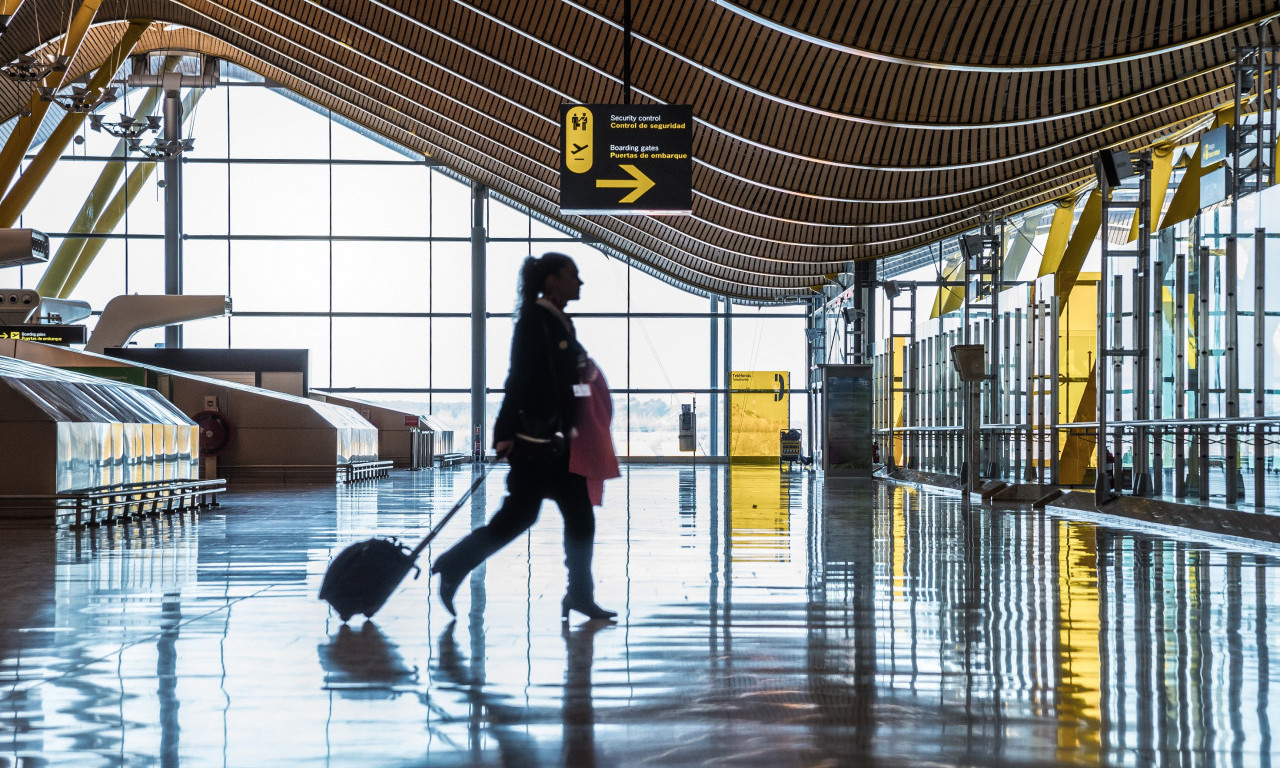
{"type": "Point", "coordinates": [1079, 684]}
{"type": "Point", "coordinates": [899, 538]}
{"type": "Point", "coordinates": [760, 520]}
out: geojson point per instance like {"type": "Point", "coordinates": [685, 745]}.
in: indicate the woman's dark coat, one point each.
{"type": "Point", "coordinates": [544, 367]}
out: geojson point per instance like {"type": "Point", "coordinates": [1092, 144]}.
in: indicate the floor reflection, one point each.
{"type": "Point", "coordinates": [846, 623]}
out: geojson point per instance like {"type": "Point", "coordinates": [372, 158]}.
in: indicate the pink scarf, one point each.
{"type": "Point", "coordinates": [591, 449]}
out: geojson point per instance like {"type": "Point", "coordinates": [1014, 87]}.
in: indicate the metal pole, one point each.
{"type": "Point", "coordinates": [1164, 249]}
{"type": "Point", "coordinates": [911, 385]}
{"type": "Point", "coordinates": [173, 202]}
{"type": "Point", "coordinates": [1180, 266]}
{"type": "Point", "coordinates": [712, 375]}
{"type": "Point", "coordinates": [1231, 459]}
{"type": "Point", "coordinates": [727, 375]}
{"type": "Point", "coordinates": [1259, 359]}
{"type": "Point", "coordinates": [1101, 488]}
{"type": "Point", "coordinates": [1202, 368]}
{"type": "Point", "coordinates": [479, 317]}
{"type": "Point", "coordinates": [1142, 485]}
{"type": "Point", "coordinates": [1117, 370]}
{"type": "Point", "coordinates": [970, 448]}
{"type": "Point", "coordinates": [890, 461]}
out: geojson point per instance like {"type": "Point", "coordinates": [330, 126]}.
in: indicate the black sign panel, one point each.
{"type": "Point", "coordinates": [1215, 146]}
{"type": "Point", "coordinates": [626, 158]}
{"type": "Point", "coordinates": [45, 334]}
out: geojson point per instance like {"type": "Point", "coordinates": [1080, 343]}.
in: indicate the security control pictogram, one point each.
{"type": "Point", "coordinates": [626, 158]}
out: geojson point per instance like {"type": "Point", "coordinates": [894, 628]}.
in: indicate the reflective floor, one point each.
{"type": "Point", "coordinates": [766, 619]}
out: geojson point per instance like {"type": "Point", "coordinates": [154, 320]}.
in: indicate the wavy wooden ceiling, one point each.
{"type": "Point", "coordinates": [825, 132]}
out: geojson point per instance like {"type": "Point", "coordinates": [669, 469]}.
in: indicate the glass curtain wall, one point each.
{"type": "Point", "coordinates": [1191, 387]}
{"type": "Point", "coordinates": [333, 240]}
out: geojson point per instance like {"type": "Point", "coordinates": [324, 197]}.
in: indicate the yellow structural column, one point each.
{"type": "Point", "coordinates": [111, 216]}
{"type": "Point", "coordinates": [1077, 347]}
{"type": "Point", "coordinates": [25, 188]}
{"type": "Point", "coordinates": [69, 250]}
{"type": "Point", "coordinates": [24, 131]}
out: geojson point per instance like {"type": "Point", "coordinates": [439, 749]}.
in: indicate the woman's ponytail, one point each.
{"type": "Point", "coordinates": [528, 285]}
{"type": "Point", "coordinates": [533, 272]}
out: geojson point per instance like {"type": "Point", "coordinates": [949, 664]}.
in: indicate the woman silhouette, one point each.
{"type": "Point", "coordinates": [549, 375]}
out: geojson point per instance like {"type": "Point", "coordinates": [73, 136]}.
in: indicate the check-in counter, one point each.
{"type": "Point", "coordinates": [409, 439]}
{"type": "Point", "coordinates": [271, 436]}
{"type": "Point", "coordinates": [63, 431]}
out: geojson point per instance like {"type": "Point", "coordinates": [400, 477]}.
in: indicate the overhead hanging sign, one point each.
{"type": "Point", "coordinates": [626, 159]}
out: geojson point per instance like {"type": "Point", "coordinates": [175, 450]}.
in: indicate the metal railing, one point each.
{"type": "Point", "coordinates": [110, 504]}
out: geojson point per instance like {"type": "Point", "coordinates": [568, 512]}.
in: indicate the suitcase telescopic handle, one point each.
{"type": "Point", "coordinates": [457, 505]}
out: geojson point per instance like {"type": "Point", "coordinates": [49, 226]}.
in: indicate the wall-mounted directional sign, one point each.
{"type": "Point", "coordinates": [626, 158]}
{"type": "Point", "coordinates": [61, 335]}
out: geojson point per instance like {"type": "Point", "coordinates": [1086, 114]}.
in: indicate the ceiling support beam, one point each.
{"type": "Point", "coordinates": [55, 275]}
{"type": "Point", "coordinates": [7, 10]}
{"type": "Point", "coordinates": [24, 132]}
{"type": "Point", "coordinates": [28, 184]}
{"type": "Point", "coordinates": [115, 210]}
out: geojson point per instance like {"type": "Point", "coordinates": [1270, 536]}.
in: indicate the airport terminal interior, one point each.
{"type": "Point", "coordinates": [940, 342]}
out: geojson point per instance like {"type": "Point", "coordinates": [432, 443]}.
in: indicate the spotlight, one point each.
{"type": "Point", "coordinates": [1113, 167]}
{"type": "Point", "coordinates": [891, 289]}
{"type": "Point", "coordinates": [970, 361]}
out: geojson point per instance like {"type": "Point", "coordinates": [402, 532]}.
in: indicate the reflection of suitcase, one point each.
{"type": "Point", "coordinates": [788, 445]}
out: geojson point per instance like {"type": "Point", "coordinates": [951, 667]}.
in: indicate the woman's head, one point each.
{"type": "Point", "coordinates": [553, 275]}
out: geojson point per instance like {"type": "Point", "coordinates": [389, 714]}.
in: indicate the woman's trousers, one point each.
{"type": "Point", "coordinates": [527, 486]}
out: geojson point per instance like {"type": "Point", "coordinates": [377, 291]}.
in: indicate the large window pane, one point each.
{"type": "Point", "coordinates": [280, 276]}
{"type": "Point", "coordinates": [451, 353]}
{"type": "Point", "coordinates": [210, 333]}
{"type": "Point", "coordinates": [451, 277]}
{"type": "Point", "coordinates": [450, 207]}
{"type": "Point", "coordinates": [105, 277]}
{"type": "Point", "coordinates": [280, 199]}
{"type": "Point", "coordinates": [382, 200]}
{"type": "Point", "coordinates": [145, 260]}
{"type": "Point", "coordinates": [257, 114]}
{"type": "Point", "coordinates": [670, 354]}
{"type": "Point", "coordinates": [208, 122]}
{"type": "Point", "coordinates": [380, 352]}
{"type": "Point", "coordinates": [649, 294]}
{"type": "Point", "coordinates": [349, 144]}
{"type": "Point", "coordinates": [502, 273]}
{"type": "Point", "coordinates": [310, 333]}
{"type": "Point", "coordinates": [205, 267]}
{"type": "Point", "coordinates": [505, 221]}
{"type": "Point", "coordinates": [205, 206]}
{"type": "Point", "coordinates": [498, 351]}
{"type": "Point", "coordinates": [605, 341]}
{"type": "Point", "coordinates": [380, 277]}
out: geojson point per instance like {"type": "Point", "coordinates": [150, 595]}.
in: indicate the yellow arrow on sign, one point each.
{"type": "Point", "coordinates": [639, 183]}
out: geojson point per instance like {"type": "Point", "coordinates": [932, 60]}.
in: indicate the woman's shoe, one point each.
{"type": "Point", "coordinates": [448, 588]}
{"type": "Point", "coordinates": [587, 608]}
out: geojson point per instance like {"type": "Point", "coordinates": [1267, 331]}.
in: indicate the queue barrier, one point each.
{"type": "Point", "coordinates": [364, 470]}
{"type": "Point", "coordinates": [111, 504]}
